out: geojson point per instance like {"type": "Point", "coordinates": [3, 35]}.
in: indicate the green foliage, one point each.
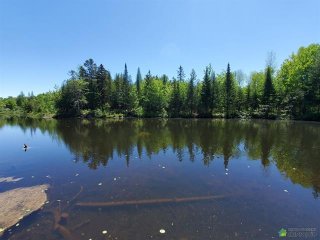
{"type": "Point", "coordinates": [255, 89]}
{"type": "Point", "coordinates": [73, 97]}
{"type": "Point", "coordinates": [292, 92]}
{"type": "Point", "coordinates": [298, 83]}
{"type": "Point", "coordinates": [154, 101]}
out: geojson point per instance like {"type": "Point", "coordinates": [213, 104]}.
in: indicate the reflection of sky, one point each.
{"type": "Point", "coordinates": [258, 198]}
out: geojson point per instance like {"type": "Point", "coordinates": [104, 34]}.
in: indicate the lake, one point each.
{"type": "Point", "coordinates": [262, 176]}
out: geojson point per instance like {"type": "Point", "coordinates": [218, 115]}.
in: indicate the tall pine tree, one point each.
{"type": "Point", "coordinates": [191, 94]}
{"type": "Point", "coordinates": [104, 83]}
{"type": "Point", "coordinates": [230, 94]}
{"type": "Point", "coordinates": [205, 95]}
{"type": "Point", "coordinates": [268, 90]}
{"type": "Point", "coordinates": [268, 93]}
{"type": "Point", "coordinates": [175, 101]}
{"type": "Point", "coordinates": [126, 90]}
{"type": "Point", "coordinates": [88, 72]}
{"type": "Point", "coordinates": [138, 82]}
{"type": "Point", "coordinates": [214, 91]}
{"type": "Point", "coordinates": [181, 74]}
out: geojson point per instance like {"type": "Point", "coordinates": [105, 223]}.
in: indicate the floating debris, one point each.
{"type": "Point", "coordinates": [148, 201]}
{"type": "Point", "coordinates": [285, 190]}
{"type": "Point", "coordinates": [77, 174]}
{"type": "Point", "coordinates": [227, 173]}
{"type": "Point", "coordinates": [17, 225]}
{"type": "Point", "coordinates": [162, 231]}
{"type": "Point", "coordinates": [100, 184]}
{"type": "Point", "coordinates": [104, 232]}
{"type": "Point", "coordinates": [32, 176]}
{"type": "Point", "coordinates": [48, 176]}
{"type": "Point", "coordinates": [248, 166]}
{"type": "Point", "coordinates": [227, 169]}
{"type": "Point", "coordinates": [163, 167]}
{"type": "Point", "coordinates": [294, 169]}
{"type": "Point", "coordinates": [114, 179]}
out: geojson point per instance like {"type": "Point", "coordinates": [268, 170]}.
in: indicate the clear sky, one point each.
{"type": "Point", "coordinates": [41, 40]}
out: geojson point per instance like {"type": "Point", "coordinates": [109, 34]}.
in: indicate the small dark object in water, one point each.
{"type": "Point", "coordinates": [25, 147]}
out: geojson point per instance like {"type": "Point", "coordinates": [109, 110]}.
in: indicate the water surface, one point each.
{"type": "Point", "coordinates": [267, 172]}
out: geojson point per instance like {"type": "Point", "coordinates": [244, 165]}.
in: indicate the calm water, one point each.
{"type": "Point", "coordinates": [268, 173]}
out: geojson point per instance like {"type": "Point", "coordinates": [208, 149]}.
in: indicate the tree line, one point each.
{"type": "Point", "coordinates": [292, 92]}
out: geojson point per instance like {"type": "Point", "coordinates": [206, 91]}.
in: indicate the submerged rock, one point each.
{"type": "Point", "coordinates": [9, 179]}
{"type": "Point", "coordinates": [20, 202]}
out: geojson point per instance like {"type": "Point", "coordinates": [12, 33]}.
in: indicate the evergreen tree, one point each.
{"type": "Point", "coordinates": [214, 92]}
{"type": "Point", "coordinates": [88, 72]}
{"type": "Point", "coordinates": [175, 101]}
{"type": "Point", "coordinates": [191, 95]}
{"type": "Point", "coordinates": [295, 92]}
{"type": "Point", "coordinates": [268, 91]}
{"type": "Point", "coordinates": [117, 96]}
{"type": "Point", "coordinates": [138, 82]}
{"type": "Point", "coordinates": [248, 98]}
{"type": "Point", "coordinates": [164, 79]}
{"type": "Point", "coordinates": [104, 85]}
{"type": "Point", "coordinates": [82, 74]}
{"type": "Point", "coordinates": [127, 103]}
{"type": "Point", "coordinates": [230, 94]}
{"type": "Point", "coordinates": [206, 95]}
{"type": "Point", "coordinates": [181, 74]}
{"type": "Point", "coordinates": [72, 97]}
{"type": "Point", "coordinates": [21, 99]}
{"type": "Point", "coordinates": [90, 68]}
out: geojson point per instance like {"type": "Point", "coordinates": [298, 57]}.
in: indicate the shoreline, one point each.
{"type": "Point", "coordinates": [6, 117]}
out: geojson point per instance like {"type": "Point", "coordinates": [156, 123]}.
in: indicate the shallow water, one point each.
{"type": "Point", "coordinates": [267, 174]}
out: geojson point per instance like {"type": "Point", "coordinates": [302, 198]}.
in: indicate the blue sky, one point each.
{"type": "Point", "coordinates": [41, 40]}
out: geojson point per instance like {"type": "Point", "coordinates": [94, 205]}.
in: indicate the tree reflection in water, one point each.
{"type": "Point", "coordinates": [293, 147]}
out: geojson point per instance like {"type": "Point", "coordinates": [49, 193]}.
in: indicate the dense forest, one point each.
{"type": "Point", "coordinates": [291, 92]}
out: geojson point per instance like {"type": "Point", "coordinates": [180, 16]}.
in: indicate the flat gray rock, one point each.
{"type": "Point", "coordinates": [20, 202]}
